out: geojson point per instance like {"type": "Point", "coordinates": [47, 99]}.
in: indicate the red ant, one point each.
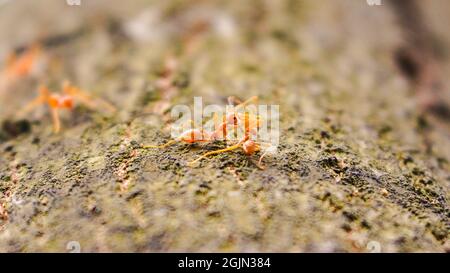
{"type": "Point", "coordinates": [20, 66]}
{"type": "Point", "coordinates": [248, 145]}
{"type": "Point", "coordinates": [64, 100]}
{"type": "Point", "coordinates": [199, 135]}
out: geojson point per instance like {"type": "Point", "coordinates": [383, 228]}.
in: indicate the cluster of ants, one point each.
{"type": "Point", "coordinates": [21, 66]}
{"type": "Point", "coordinates": [18, 67]}
{"type": "Point", "coordinates": [234, 120]}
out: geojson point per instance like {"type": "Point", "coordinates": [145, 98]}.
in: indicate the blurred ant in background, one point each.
{"type": "Point", "coordinates": [21, 65]}
{"type": "Point", "coordinates": [64, 100]}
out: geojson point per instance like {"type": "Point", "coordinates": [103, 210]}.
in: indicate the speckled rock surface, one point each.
{"type": "Point", "coordinates": [352, 168]}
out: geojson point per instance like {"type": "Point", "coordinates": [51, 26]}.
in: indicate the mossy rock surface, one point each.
{"type": "Point", "coordinates": [351, 170]}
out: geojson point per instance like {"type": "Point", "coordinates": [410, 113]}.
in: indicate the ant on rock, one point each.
{"type": "Point", "coordinates": [64, 100]}
{"type": "Point", "coordinates": [245, 121]}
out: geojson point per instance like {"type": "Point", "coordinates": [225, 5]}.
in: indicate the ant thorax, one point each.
{"type": "Point", "coordinates": [60, 101]}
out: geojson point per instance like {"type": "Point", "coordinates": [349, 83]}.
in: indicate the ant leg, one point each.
{"type": "Point", "coordinates": [31, 105]}
{"type": "Point", "coordinates": [84, 97]}
{"type": "Point", "coordinates": [44, 94]}
{"type": "Point", "coordinates": [108, 106]}
{"type": "Point", "coordinates": [232, 100]}
{"type": "Point", "coordinates": [93, 102]}
{"type": "Point", "coordinates": [216, 152]}
{"type": "Point", "coordinates": [269, 150]}
{"type": "Point", "coordinates": [160, 146]}
{"type": "Point", "coordinates": [260, 161]}
{"type": "Point", "coordinates": [87, 99]}
{"type": "Point", "coordinates": [56, 120]}
{"type": "Point", "coordinates": [245, 103]}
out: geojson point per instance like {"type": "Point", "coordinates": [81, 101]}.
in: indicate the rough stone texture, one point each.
{"type": "Point", "coordinates": [352, 165]}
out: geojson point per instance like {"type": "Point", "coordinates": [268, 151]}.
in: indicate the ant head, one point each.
{"type": "Point", "coordinates": [250, 147]}
{"type": "Point", "coordinates": [53, 101]}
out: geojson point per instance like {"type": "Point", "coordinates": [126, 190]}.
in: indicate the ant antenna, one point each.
{"type": "Point", "coordinates": [234, 147]}
{"type": "Point", "coordinates": [160, 146]}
